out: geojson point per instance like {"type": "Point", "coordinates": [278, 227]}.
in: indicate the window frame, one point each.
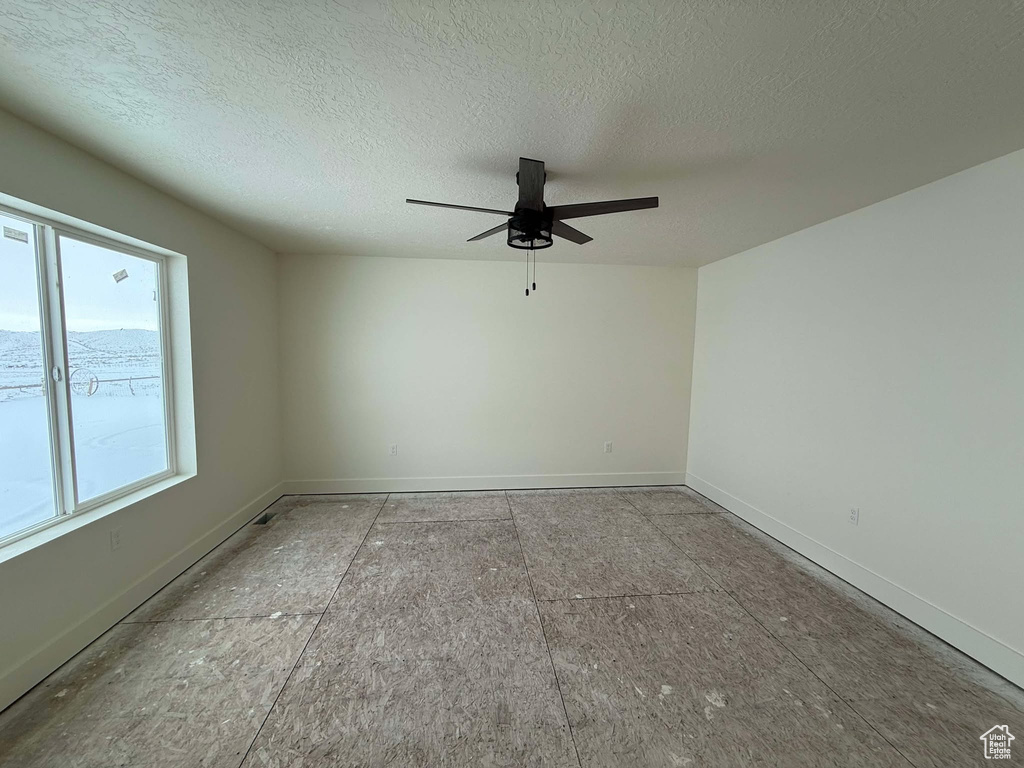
{"type": "Point", "coordinates": [57, 388]}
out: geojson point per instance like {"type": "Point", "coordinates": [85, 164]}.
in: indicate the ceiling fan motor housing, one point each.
{"type": "Point", "coordinates": [529, 229]}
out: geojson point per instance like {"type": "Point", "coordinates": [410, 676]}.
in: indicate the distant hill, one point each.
{"type": "Point", "coordinates": [123, 343]}
{"type": "Point", "coordinates": [113, 354]}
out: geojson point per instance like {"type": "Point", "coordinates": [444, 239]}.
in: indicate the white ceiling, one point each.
{"type": "Point", "coordinates": [306, 124]}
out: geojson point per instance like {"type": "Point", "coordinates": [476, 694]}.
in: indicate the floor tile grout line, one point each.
{"type": "Point", "coordinates": [543, 632]}
{"type": "Point", "coordinates": [774, 637]}
{"type": "Point", "coordinates": [693, 562]}
{"type": "Point", "coordinates": [683, 514]}
{"type": "Point", "coordinates": [193, 565]}
{"type": "Point", "coordinates": [309, 639]}
{"type": "Point", "coordinates": [456, 520]}
{"type": "Point", "coordinates": [877, 609]}
{"type": "Point", "coordinates": [122, 620]}
{"type": "Point", "coordinates": [618, 492]}
{"type": "Point", "coordinates": [629, 501]}
{"type": "Point", "coordinates": [806, 666]}
{"type": "Point", "coordinates": [620, 597]}
{"type": "Point", "coordinates": [673, 514]}
{"type": "Point", "coordinates": [280, 615]}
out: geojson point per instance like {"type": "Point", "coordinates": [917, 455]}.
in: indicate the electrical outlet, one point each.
{"type": "Point", "coordinates": [608, 446]}
{"type": "Point", "coordinates": [393, 449]}
{"type": "Point", "coordinates": [854, 515]}
{"type": "Point", "coordinates": [115, 539]}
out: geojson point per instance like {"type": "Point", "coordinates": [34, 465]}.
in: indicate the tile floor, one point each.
{"type": "Point", "coordinates": [609, 627]}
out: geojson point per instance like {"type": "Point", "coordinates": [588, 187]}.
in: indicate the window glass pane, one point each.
{"type": "Point", "coordinates": [112, 317]}
{"type": "Point", "coordinates": [26, 473]}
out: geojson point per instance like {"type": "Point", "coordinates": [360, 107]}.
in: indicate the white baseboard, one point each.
{"type": "Point", "coordinates": [980, 646]}
{"type": "Point", "coordinates": [32, 669]}
{"type": "Point", "coordinates": [481, 483]}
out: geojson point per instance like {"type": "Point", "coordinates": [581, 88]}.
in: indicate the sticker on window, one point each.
{"type": "Point", "coordinates": [121, 274]}
{"type": "Point", "coordinates": [15, 234]}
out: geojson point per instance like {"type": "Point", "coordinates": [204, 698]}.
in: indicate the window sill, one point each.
{"type": "Point", "coordinates": [65, 524]}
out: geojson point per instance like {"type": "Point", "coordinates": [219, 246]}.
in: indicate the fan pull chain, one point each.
{"type": "Point", "coordinates": [534, 271]}
{"type": "Point", "coordinates": [528, 272]}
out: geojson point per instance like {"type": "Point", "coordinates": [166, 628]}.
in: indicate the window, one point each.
{"type": "Point", "coordinates": [26, 471]}
{"type": "Point", "coordinates": [85, 406]}
{"type": "Point", "coordinates": [115, 369]}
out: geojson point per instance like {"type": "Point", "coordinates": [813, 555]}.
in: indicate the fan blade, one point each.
{"type": "Point", "coordinates": [596, 209]}
{"type": "Point", "coordinates": [531, 184]}
{"type": "Point", "coordinates": [564, 230]}
{"type": "Point", "coordinates": [489, 232]}
{"type": "Point", "coordinates": [460, 207]}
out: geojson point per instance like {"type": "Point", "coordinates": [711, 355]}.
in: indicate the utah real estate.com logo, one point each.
{"type": "Point", "coordinates": [997, 742]}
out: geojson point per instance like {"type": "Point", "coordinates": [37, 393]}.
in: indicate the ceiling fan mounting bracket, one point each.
{"type": "Point", "coordinates": [545, 178]}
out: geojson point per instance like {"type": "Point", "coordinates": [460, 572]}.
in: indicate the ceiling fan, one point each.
{"type": "Point", "coordinates": [532, 224]}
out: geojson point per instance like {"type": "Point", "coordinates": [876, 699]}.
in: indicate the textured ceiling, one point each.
{"type": "Point", "coordinates": [306, 124]}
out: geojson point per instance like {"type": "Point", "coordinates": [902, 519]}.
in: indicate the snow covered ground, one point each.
{"type": "Point", "coordinates": [24, 464]}
{"type": "Point", "coordinates": [117, 410]}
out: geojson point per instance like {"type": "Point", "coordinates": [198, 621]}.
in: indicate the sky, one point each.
{"type": "Point", "coordinates": [93, 299]}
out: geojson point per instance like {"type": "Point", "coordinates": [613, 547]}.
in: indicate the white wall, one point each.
{"type": "Point", "coordinates": [479, 385]}
{"type": "Point", "coordinates": [877, 361]}
{"type": "Point", "coordinates": [57, 597]}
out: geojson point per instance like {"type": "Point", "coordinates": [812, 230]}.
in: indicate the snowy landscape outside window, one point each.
{"type": "Point", "coordinates": [84, 400]}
